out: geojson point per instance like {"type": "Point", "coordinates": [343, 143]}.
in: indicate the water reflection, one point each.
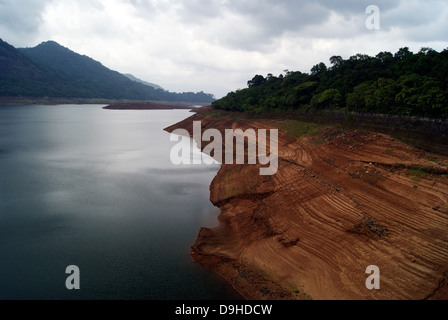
{"type": "Point", "coordinates": [95, 188]}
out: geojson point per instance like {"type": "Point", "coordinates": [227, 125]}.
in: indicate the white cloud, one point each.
{"type": "Point", "coordinates": [217, 45]}
{"type": "Point", "coordinates": [20, 20]}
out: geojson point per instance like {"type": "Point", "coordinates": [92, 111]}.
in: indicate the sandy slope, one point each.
{"type": "Point", "coordinates": [341, 201]}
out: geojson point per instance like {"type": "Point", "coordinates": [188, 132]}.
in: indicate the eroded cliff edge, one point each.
{"type": "Point", "coordinates": [341, 201]}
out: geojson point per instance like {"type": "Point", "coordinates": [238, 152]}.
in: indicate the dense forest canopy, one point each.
{"type": "Point", "coordinates": [404, 83]}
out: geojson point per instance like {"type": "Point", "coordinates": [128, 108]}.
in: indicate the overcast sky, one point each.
{"type": "Point", "coordinates": [217, 45]}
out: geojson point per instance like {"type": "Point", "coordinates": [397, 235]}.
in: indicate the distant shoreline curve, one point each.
{"type": "Point", "coordinates": [151, 106]}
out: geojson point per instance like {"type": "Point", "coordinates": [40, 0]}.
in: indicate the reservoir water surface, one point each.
{"type": "Point", "coordinates": [95, 188]}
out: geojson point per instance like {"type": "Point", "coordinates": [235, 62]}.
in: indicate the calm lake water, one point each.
{"type": "Point", "coordinates": [95, 188]}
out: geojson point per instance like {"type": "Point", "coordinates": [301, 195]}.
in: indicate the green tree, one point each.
{"type": "Point", "coordinates": [318, 69]}
{"type": "Point", "coordinates": [404, 83]}
{"type": "Point", "coordinates": [422, 96]}
{"type": "Point", "coordinates": [256, 81]}
{"type": "Point", "coordinates": [336, 61]}
{"type": "Point", "coordinates": [356, 100]}
{"type": "Point", "coordinates": [402, 53]}
{"type": "Point", "coordinates": [304, 92]}
{"type": "Point", "coordinates": [381, 97]}
{"type": "Point", "coordinates": [329, 99]}
{"type": "Point", "coordinates": [385, 57]}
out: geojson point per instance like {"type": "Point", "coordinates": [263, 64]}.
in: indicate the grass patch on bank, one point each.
{"type": "Point", "coordinates": [213, 114]}
{"type": "Point", "coordinates": [300, 291]}
{"type": "Point", "coordinates": [419, 172]}
{"type": "Point", "coordinates": [219, 114]}
{"type": "Point", "coordinates": [297, 129]}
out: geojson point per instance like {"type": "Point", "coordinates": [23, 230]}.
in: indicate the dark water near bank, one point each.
{"type": "Point", "coordinates": [95, 188]}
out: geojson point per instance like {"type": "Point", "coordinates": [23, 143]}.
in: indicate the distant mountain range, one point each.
{"type": "Point", "coordinates": [51, 70]}
{"type": "Point", "coordinates": [133, 78]}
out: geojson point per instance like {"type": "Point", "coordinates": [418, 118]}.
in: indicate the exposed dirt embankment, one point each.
{"type": "Point", "coordinates": [340, 202]}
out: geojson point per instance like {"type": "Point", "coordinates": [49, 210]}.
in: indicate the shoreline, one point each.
{"type": "Point", "coordinates": [150, 106]}
{"type": "Point", "coordinates": [113, 104]}
{"type": "Point", "coordinates": [341, 199]}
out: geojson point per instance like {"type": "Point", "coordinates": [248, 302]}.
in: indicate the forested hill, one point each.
{"type": "Point", "coordinates": [404, 83]}
{"type": "Point", "coordinates": [51, 70]}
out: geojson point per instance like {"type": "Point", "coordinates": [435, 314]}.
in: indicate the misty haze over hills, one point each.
{"type": "Point", "coordinates": [51, 70]}
{"type": "Point", "coordinates": [135, 79]}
